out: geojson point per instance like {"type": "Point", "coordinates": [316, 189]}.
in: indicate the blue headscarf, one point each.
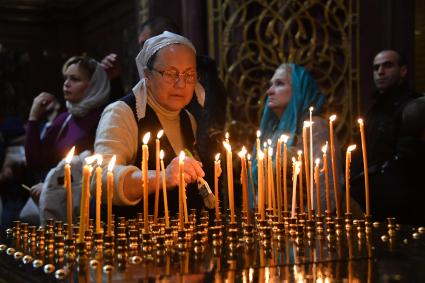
{"type": "Point", "coordinates": [305, 93]}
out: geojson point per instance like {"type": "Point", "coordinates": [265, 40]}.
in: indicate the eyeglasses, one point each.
{"type": "Point", "coordinates": [172, 76]}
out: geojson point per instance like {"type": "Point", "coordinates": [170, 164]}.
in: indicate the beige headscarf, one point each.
{"type": "Point", "coordinates": [97, 94]}
{"type": "Point", "coordinates": [150, 47]}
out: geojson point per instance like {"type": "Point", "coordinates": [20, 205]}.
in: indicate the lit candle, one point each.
{"type": "Point", "coordinates": [181, 187]}
{"type": "Point", "coordinates": [251, 181]}
{"type": "Point", "coordinates": [266, 175]}
{"type": "Point", "coordinates": [296, 170]}
{"type": "Point", "coordinates": [110, 192]}
{"type": "Point", "coordinates": [300, 160]}
{"type": "Point", "coordinates": [217, 172]}
{"type": "Point", "coordinates": [311, 156]}
{"type": "Point", "coordinates": [157, 177]}
{"type": "Point", "coordinates": [164, 190]}
{"type": "Point", "coordinates": [279, 179]}
{"type": "Point", "coordinates": [307, 124]}
{"type": "Point", "coordinates": [68, 187]}
{"type": "Point", "coordinates": [85, 195]}
{"type": "Point", "coordinates": [317, 180]}
{"type": "Point", "coordinates": [285, 183]}
{"type": "Point", "coordinates": [333, 159]}
{"type": "Point", "coordinates": [365, 166]}
{"type": "Point", "coordinates": [270, 182]}
{"type": "Point", "coordinates": [325, 169]}
{"type": "Point", "coordinates": [258, 142]}
{"type": "Point", "coordinates": [347, 176]}
{"type": "Point", "coordinates": [244, 181]}
{"type": "Point", "coordinates": [261, 184]}
{"type": "Point", "coordinates": [145, 180]}
{"type": "Point", "coordinates": [98, 191]}
{"type": "Point", "coordinates": [230, 180]}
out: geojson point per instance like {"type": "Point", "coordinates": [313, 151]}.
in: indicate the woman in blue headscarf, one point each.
{"type": "Point", "coordinates": [291, 93]}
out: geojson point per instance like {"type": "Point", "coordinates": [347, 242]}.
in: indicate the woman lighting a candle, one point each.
{"type": "Point", "coordinates": [168, 78]}
{"type": "Point", "coordinates": [291, 93]}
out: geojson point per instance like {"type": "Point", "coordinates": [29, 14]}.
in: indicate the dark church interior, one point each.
{"type": "Point", "coordinates": [286, 141]}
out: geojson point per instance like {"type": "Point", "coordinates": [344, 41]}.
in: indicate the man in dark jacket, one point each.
{"type": "Point", "coordinates": [394, 155]}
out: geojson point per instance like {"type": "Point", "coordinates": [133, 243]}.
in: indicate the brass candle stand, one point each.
{"type": "Point", "coordinates": [248, 235]}
{"type": "Point", "coordinates": [52, 251]}
{"type": "Point", "coordinates": [232, 237]}
{"type": "Point", "coordinates": [348, 221]}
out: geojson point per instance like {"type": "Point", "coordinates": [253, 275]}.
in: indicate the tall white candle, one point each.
{"type": "Point", "coordinates": [311, 156]}
{"type": "Point", "coordinates": [110, 192]}
{"type": "Point", "coordinates": [145, 180]}
{"type": "Point", "coordinates": [334, 170]}
{"type": "Point", "coordinates": [98, 191]}
{"type": "Point", "coordinates": [347, 176]}
{"type": "Point", "coordinates": [365, 166]}
{"type": "Point", "coordinates": [230, 180]}
{"type": "Point", "coordinates": [157, 177]}
{"type": "Point", "coordinates": [68, 187]}
{"type": "Point", "coordinates": [296, 170]}
{"type": "Point", "coordinates": [164, 190]}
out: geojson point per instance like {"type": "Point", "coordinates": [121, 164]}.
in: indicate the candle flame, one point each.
{"type": "Point", "coordinates": [351, 148]}
{"type": "Point", "coordinates": [227, 135]}
{"type": "Point", "coordinates": [332, 118]}
{"type": "Point", "coordinates": [284, 138]}
{"type": "Point", "coordinates": [241, 153]}
{"type": "Point", "coordinates": [360, 121]}
{"type": "Point", "coordinates": [90, 159]}
{"type": "Point", "coordinates": [317, 161]}
{"type": "Point", "coordinates": [294, 160]}
{"type": "Point", "coordinates": [325, 148]}
{"type": "Point", "coordinates": [161, 154]}
{"type": "Point", "coordinates": [270, 151]}
{"type": "Point", "coordinates": [258, 133]}
{"type": "Point", "coordinates": [182, 156]}
{"type": "Point", "coordinates": [99, 158]}
{"type": "Point", "coordinates": [299, 152]}
{"type": "Point", "coordinates": [261, 155]}
{"type": "Point", "coordinates": [311, 109]}
{"type": "Point", "coordinates": [112, 163]}
{"type": "Point", "coordinates": [70, 155]}
{"type": "Point", "coordinates": [227, 146]}
{"type": "Point", "coordinates": [146, 137]}
{"type": "Point", "coordinates": [269, 141]}
{"type": "Point", "coordinates": [307, 124]}
{"type": "Point", "coordinates": [264, 144]}
{"type": "Point", "coordinates": [248, 157]}
{"type": "Point", "coordinates": [159, 134]}
{"type": "Point", "coordinates": [297, 167]}
{"type": "Point", "coordinates": [217, 156]}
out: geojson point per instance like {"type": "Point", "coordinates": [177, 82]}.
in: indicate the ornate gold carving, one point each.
{"type": "Point", "coordinates": [249, 39]}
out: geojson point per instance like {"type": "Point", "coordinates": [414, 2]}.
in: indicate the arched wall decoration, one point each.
{"type": "Point", "coordinates": [249, 39]}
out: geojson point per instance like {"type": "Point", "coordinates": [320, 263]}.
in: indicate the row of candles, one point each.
{"type": "Point", "coordinates": [269, 194]}
{"type": "Point", "coordinates": [85, 193]}
{"type": "Point", "coordinates": [265, 169]}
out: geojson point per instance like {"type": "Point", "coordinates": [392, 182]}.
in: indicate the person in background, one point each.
{"type": "Point", "coordinates": [394, 150]}
{"type": "Point", "coordinates": [86, 91]}
{"type": "Point", "coordinates": [291, 93]}
{"type": "Point", "coordinates": [12, 157]}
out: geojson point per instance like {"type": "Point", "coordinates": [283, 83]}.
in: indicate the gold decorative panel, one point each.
{"type": "Point", "coordinates": [249, 39]}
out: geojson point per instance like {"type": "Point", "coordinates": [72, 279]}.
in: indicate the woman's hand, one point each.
{"type": "Point", "coordinates": [40, 106]}
{"type": "Point", "coordinates": [36, 192]}
{"type": "Point", "coordinates": [192, 170]}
